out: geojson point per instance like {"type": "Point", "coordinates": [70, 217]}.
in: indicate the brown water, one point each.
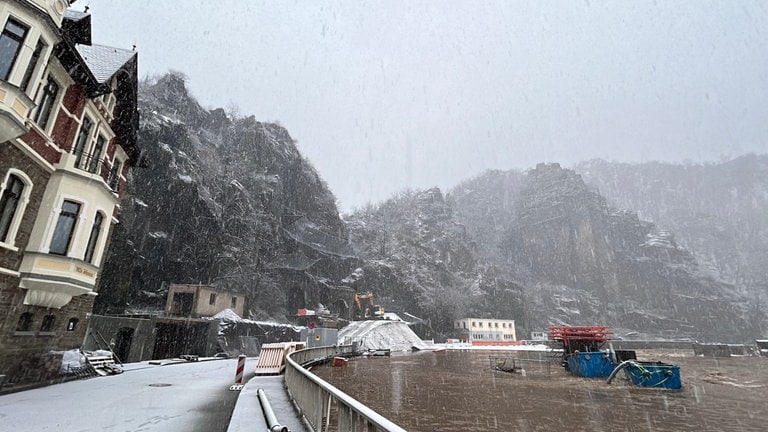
{"type": "Point", "coordinates": [458, 391]}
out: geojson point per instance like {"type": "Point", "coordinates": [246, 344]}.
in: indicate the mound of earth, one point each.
{"type": "Point", "coordinates": [381, 334]}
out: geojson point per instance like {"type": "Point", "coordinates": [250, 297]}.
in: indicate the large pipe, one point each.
{"type": "Point", "coordinates": [269, 415]}
{"type": "Point", "coordinates": [621, 366]}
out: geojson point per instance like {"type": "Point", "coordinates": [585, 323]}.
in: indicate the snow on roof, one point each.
{"type": "Point", "coordinates": [391, 316]}
{"type": "Point", "coordinates": [227, 315]}
{"type": "Point", "coordinates": [75, 15]}
{"type": "Point", "coordinates": [104, 61]}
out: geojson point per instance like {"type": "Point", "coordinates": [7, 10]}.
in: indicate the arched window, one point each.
{"type": "Point", "coordinates": [72, 324]}
{"type": "Point", "coordinates": [93, 239]}
{"type": "Point", "coordinates": [14, 195]}
{"type": "Point", "coordinates": [25, 322]}
{"type": "Point", "coordinates": [48, 322]}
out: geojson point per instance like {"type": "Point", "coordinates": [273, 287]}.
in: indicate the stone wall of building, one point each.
{"type": "Point", "coordinates": [12, 156]}
{"type": "Point", "coordinates": [35, 355]}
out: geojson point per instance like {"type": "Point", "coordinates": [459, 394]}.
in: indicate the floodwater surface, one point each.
{"type": "Point", "coordinates": [460, 391]}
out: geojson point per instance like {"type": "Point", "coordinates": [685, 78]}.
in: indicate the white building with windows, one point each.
{"type": "Point", "coordinates": [68, 125]}
{"type": "Point", "coordinates": [485, 329]}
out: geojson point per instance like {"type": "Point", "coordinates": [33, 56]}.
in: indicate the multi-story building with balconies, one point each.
{"type": "Point", "coordinates": [68, 124]}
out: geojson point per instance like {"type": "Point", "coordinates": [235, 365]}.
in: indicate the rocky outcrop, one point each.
{"type": "Point", "coordinates": [229, 201]}
{"type": "Point", "coordinates": [590, 262]}
{"type": "Point", "coordinates": [717, 211]}
{"type": "Point", "coordinates": [543, 248]}
{"type": "Point", "coordinates": [224, 201]}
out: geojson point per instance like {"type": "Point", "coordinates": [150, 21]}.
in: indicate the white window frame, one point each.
{"type": "Point", "coordinates": [54, 220]}
{"type": "Point", "coordinates": [38, 67]}
{"type": "Point", "coordinates": [88, 139]}
{"type": "Point", "coordinates": [12, 72]}
{"type": "Point", "coordinates": [55, 105]}
{"type": "Point", "coordinates": [20, 209]}
{"type": "Point", "coordinates": [118, 174]}
{"type": "Point", "coordinates": [102, 152]}
{"type": "Point", "coordinates": [98, 249]}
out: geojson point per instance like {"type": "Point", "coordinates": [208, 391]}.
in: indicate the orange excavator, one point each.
{"type": "Point", "coordinates": [366, 309]}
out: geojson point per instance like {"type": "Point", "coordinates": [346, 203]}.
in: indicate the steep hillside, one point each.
{"type": "Point", "coordinates": [591, 263]}
{"type": "Point", "coordinates": [418, 255]}
{"type": "Point", "coordinates": [223, 201]}
{"type": "Point", "coordinates": [718, 211]}
{"type": "Point", "coordinates": [231, 202]}
{"type": "Point", "coordinates": [542, 248]}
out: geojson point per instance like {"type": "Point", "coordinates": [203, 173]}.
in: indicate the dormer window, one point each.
{"type": "Point", "coordinates": [11, 41]}
{"type": "Point", "coordinates": [106, 102]}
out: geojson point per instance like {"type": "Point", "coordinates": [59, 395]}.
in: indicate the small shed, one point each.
{"type": "Point", "coordinates": [201, 301]}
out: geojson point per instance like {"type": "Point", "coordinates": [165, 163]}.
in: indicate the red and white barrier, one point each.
{"type": "Point", "coordinates": [240, 369]}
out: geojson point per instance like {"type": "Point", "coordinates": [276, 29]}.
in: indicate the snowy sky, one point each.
{"type": "Point", "coordinates": [384, 95]}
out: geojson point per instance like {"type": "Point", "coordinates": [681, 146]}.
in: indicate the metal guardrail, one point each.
{"type": "Point", "coordinates": [317, 399]}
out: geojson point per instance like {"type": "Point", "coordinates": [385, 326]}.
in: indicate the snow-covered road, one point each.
{"type": "Point", "coordinates": [182, 397]}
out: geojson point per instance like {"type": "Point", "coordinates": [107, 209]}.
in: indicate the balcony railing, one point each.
{"type": "Point", "coordinates": [95, 164]}
{"type": "Point", "coordinates": [89, 162]}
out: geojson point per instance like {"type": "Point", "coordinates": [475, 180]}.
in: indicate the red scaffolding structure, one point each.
{"type": "Point", "coordinates": [580, 338]}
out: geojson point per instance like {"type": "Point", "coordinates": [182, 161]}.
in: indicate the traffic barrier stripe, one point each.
{"type": "Point", "coordinates": [240, 369]}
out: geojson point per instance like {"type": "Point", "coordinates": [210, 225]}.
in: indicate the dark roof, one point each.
{"type": "Point", "coordinates": [104, 61]}
{"type": "Point", "coordinates": [77, 26]}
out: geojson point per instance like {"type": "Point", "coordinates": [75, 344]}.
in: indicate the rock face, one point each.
{"type": "Point", "coordinates": [230, 202]}
{"type": "Point", "coordinates": [594, 263]}
{"type": "Point", "coordinates": [718, 211]}
{"type": "Point", "coordinates": [542, 248]}
{"type": "Point", "coordinates": [419, 256]}
{"type": "Point", "coordinates": [222, 201]}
